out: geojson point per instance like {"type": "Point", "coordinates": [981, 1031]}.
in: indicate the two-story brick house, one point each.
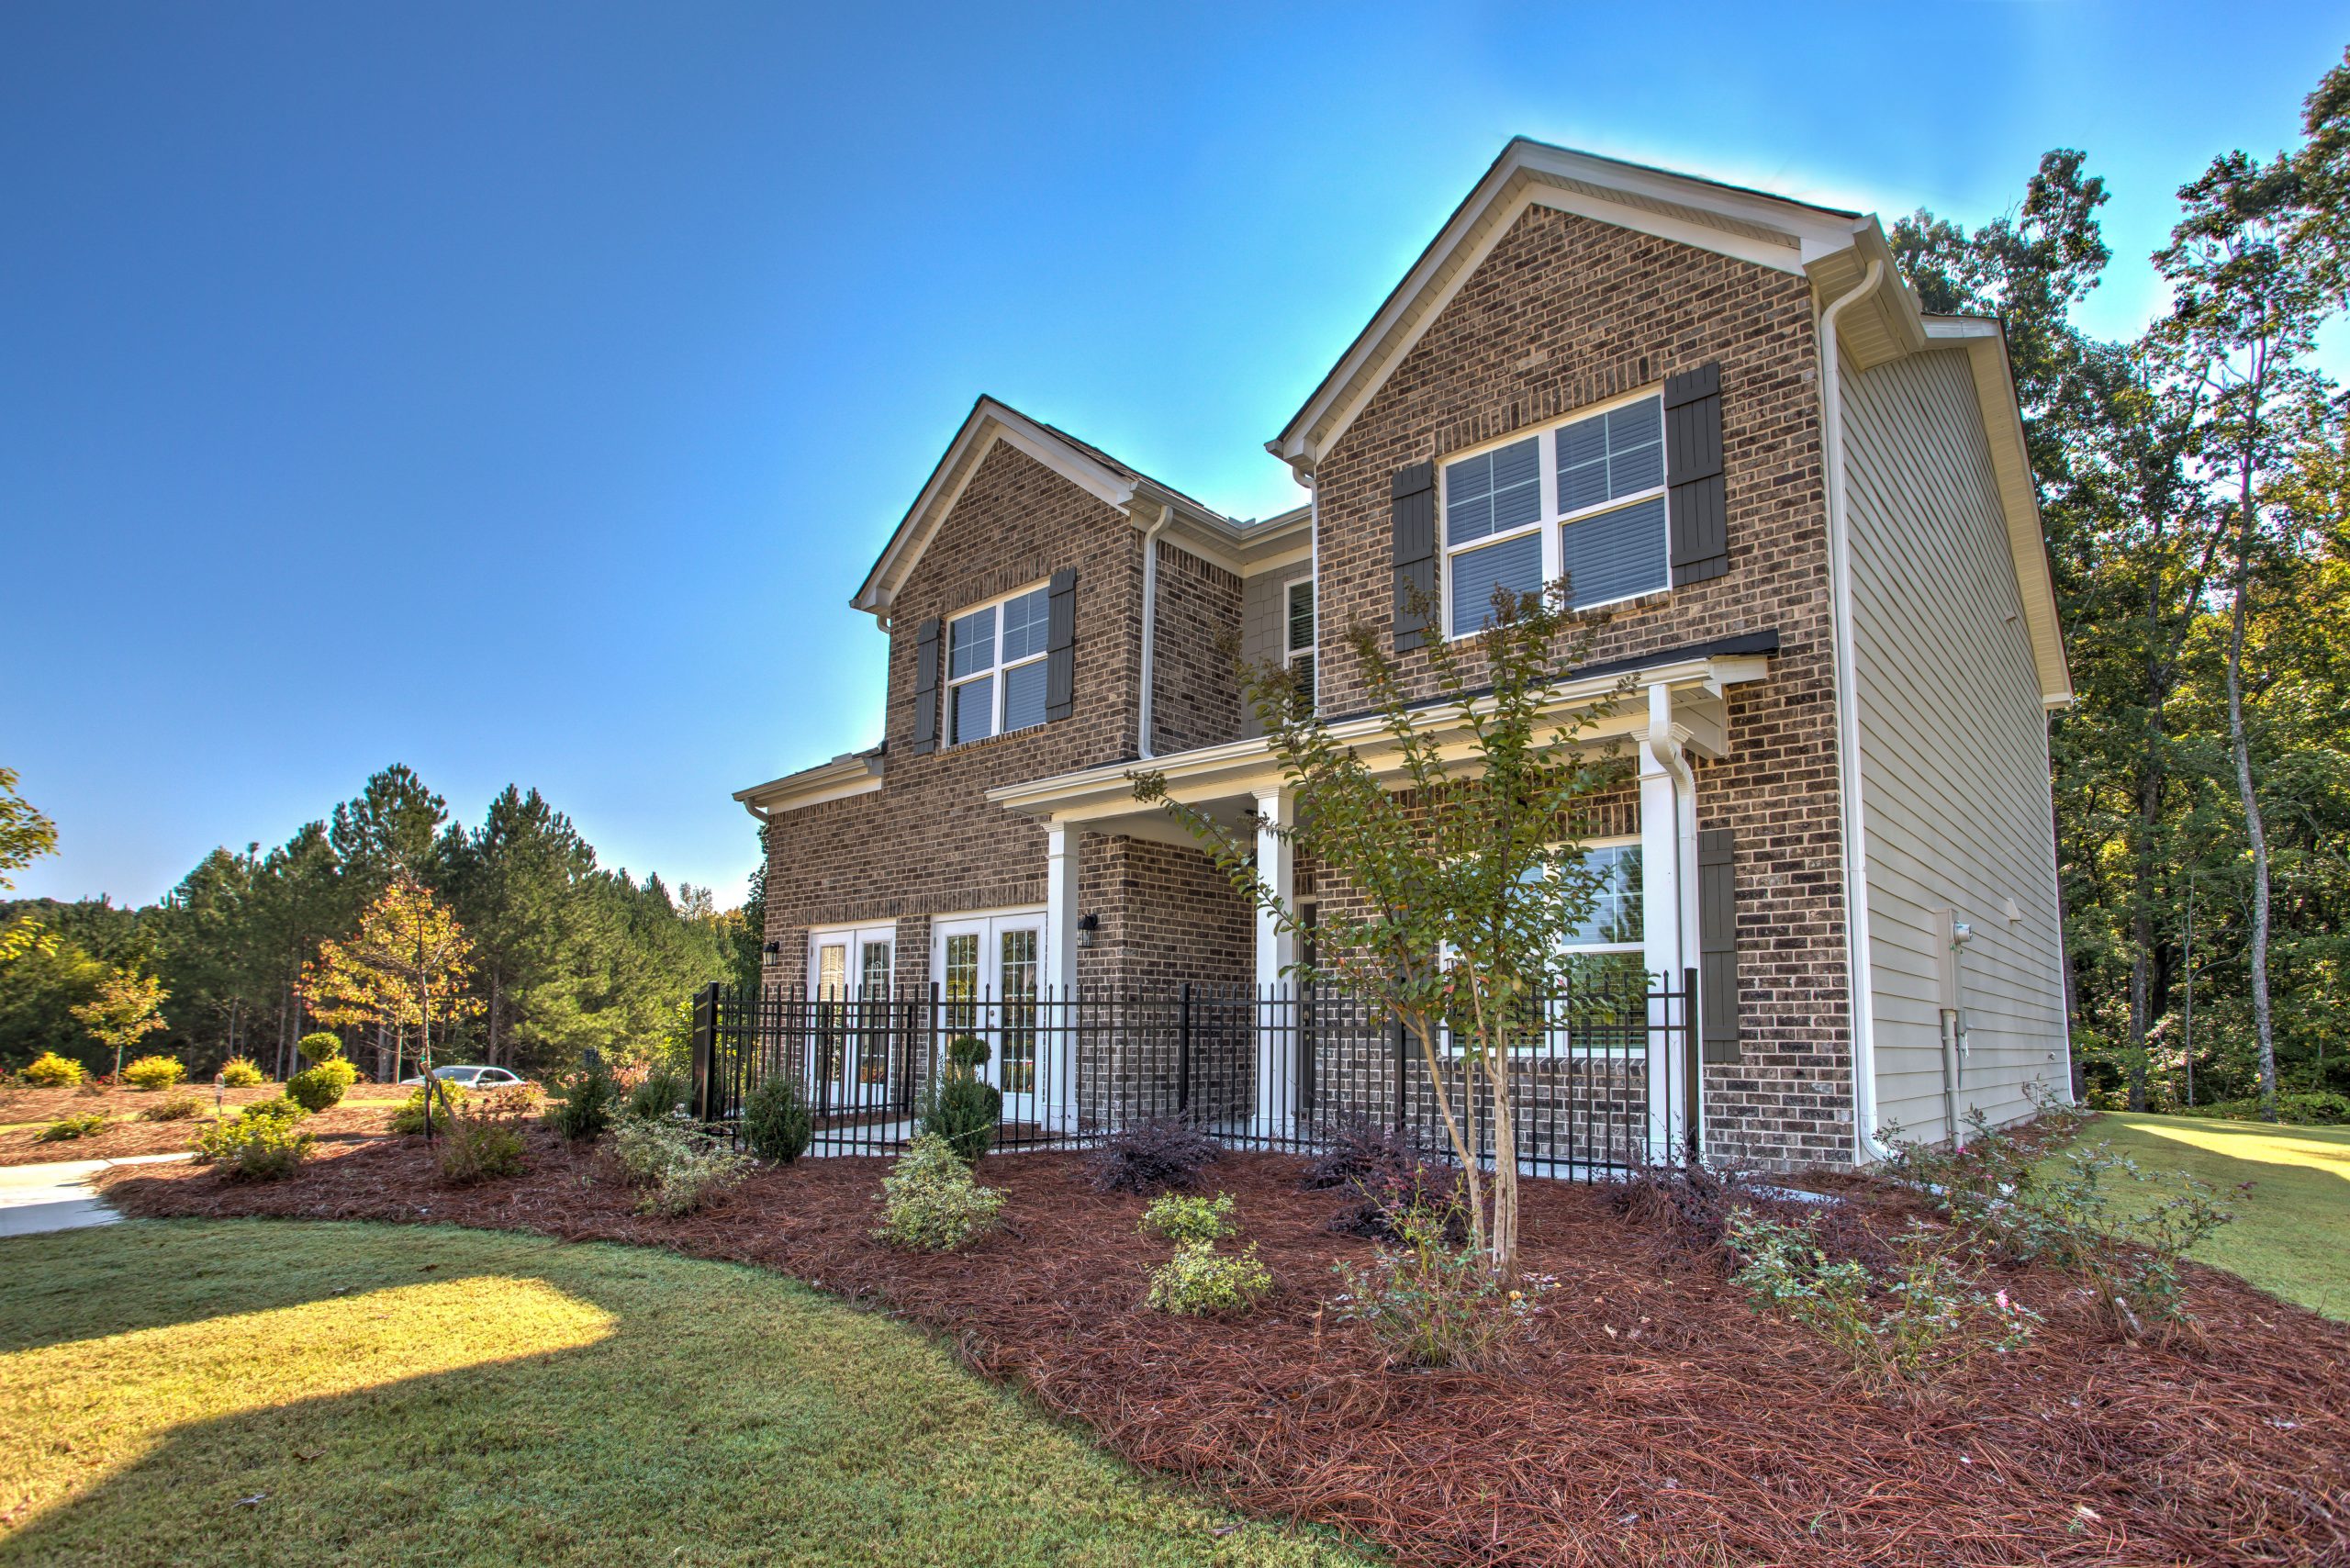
{"type": "Point", "coordinates": [1804, 507]}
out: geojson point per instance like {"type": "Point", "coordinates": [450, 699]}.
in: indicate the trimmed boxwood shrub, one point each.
{"type": "Point", "coordinates": [323, 1086]}
{"type": "Point", "coordinates": [178, 1108]}
{"type": "Point", "coordinates": [775, 1121]}
{"type": "Point", "coordinates": [265, 1143]}
{"type": "Point", "coordinates": [319, 1046]}
{"type": "Point", "coordinates": [427, 1100]}
{"type": "Point", "coordinates": [240, 1072]}
{"type": "Point", "coordinates": [72, 1126]}
{"type": "Point", "coordinates": [929, 1202]}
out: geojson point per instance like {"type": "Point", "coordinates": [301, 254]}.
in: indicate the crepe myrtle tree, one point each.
{"type": "Point", "coordinates": [1463, 851]}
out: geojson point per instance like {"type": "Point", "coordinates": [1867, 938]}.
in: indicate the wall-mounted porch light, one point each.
{"type": "Point", "coordinates": [774, 952]}
{"type": "Point", "coordinates": [1087, 924]}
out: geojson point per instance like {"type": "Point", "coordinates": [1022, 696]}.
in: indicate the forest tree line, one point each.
{"type": "Point", "coordinates": [2195, 484]}
{"type": "Point", "coordinates": [565, 954]}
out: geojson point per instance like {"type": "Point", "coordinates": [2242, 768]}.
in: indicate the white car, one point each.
{"type": "Point", "coordinates": [467, 1077]}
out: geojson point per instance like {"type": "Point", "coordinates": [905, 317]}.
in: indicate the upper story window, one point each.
{"type": "Point", "coordinates": [1584, 500]}
{"type": "Point", "coordinates": [995, 667]}
{"type": "Point", "coordinates": [1297, 635]}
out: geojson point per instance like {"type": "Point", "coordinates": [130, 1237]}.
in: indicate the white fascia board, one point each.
{"type": "Point", "coordinates": [1994, 391]}
{"type": "Point", "coordinates": [859, 773]}
{"type": "Point", "coordinates": [1220, 772]}
{"type": "Point", "coordinates": [989, 423]}
{"type": "Point", "coordinates": [1767, 230]}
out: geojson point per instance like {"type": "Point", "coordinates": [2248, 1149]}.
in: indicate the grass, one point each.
{"type": "Point", "coordinates": [2293, 1226]}
{"type": "Point", "coordinates": [212, 1393]}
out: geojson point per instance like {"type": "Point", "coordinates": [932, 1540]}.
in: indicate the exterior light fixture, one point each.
{"type": "Point", "coordinates": [1087, 925]}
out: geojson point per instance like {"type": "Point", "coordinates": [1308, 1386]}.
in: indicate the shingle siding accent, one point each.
{"type": "Point", "coordinates": [1565, 312]}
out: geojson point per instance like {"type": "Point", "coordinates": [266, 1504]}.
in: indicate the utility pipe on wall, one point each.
{"type": "Point", "coordinates": [1150, 620]}
{"type": "Point", "coordinates": [1848, 725]}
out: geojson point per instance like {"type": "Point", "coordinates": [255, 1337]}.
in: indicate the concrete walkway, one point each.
{"type": "Point", "coordinates": [37, 1198]}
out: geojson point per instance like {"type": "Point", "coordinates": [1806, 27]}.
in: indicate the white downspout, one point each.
{"type": "Point", "coordinates": [1150, 620]}
{"type": "Point", "coordinates": [1847, 727]}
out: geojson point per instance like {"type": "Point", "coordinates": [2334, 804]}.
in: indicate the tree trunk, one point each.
{"type": "Point", "coordinates": [2255, 830]}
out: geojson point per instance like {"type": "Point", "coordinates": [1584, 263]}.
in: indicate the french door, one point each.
{"type": "Point", "coordinates": [851, 1058]}
{"type": "Point", "coordinates": [988, 969]}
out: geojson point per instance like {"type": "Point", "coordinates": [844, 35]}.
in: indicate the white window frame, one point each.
{"type": "Point", "coordinates": [1289, 655]}
{"type": "Point", "coordinates": [995, 671]}
{"type": "Point", "coordinates": [1453, 1048]}
{"type": "Point", "coordinates": [1551, 520]}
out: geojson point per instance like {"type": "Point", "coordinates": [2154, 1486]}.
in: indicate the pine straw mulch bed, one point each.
{"type": "Point", "coordinates": [25, 1111]}
{"type": "Point", "coordinates": [1655, 1418]}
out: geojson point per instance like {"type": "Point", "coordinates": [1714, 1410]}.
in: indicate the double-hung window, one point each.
{"type": "Point", "coordinates": [1297, 637]}
{"type": "Point", "coordinates": [995, 667]}
{"type": "Point", "coordinates": [1607, 951]}
{"type": "Point", "coordinates": [1584, 500]}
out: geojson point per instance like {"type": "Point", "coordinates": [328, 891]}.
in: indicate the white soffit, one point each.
{"type": "Point", "coordinates": [1985, 346]}
{"type": "Point", "coordinates": [1767, 230]}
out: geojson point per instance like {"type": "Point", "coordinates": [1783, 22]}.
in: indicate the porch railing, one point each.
{"type": "Point", "coordinates": [1602, 1078]}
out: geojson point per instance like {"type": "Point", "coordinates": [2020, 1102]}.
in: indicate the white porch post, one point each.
{"type": "Point", "coordinates": [1276, 950]}
{"type": "Point", "coordinates": [1059, 1034]}
{"type": "Point", "coordinates": [1668, 913]}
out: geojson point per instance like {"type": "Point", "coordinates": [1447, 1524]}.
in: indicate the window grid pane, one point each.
{"type": "Point", "coordinates": [1493, 492]}
{"type": "Point", "coordinates": [1615, 916]}
{"type": "Point", "coordinates": [1515, 564]}
{"type": "Point", "coordinates": [971, 644]}
{"type": "Point", "coordinates": [1024, 621]}
{"type": "Point", "coordinates": [1611, 455]}
{"type": "Point", "coordinates": [1018, 1049]}
{"type": "Point", "coordinates": [1023, 695]}
{"type": "Point", "coordinates": [1301, 616]}
{"type": "Point", "coordinates": [973, 718]}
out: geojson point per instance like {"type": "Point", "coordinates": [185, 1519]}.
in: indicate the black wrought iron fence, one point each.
{"type": "Point", "coordinates": [1600, 1076]}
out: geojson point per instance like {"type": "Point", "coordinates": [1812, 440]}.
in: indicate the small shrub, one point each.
{"type": "Point", "coordinates": [583, 1104]}
{"type": "Point", "coordinates": [322, 1087]}
{"type": "Point", "coordinates": [1433, 1302]}
{"type": "Point", "coordinates": [2020, 1207]}
{"type": "Point", "coordinates": [1151, 1156]}
{"type": "Point", "coordinates": [965, 1114]}
{"type": "Point", "coordinates": [65, 1128]}
{"type": "Point", "coordinates": [1932, 1317]}
{"type": "Point", "coordinates": [153, 1072]}
{"type": "Point", "coordinates": [433, 1102]}
{"type": "Point", "coordinates": [240, 1072]}
{"type": "Point", "coordinates": [965, 1054]}
{"type": "Point", "coordinates": [658, 1094]}
{"type": "Point", "coordinates": [1355, 1149]}
{"type": "Point", "coordinates": [681, 1168]}
{"type": "Point", "coordinates": [1200, 1282]}
{"type": "Point", "coordinates": [265, 1143]}
{"type": "Point", "coordinates": [1686, 1208]}
{"type": "Point", "coordinates": [929, 1202]}
{"type": "Point", "coordinates": [775, 1121]}
{"type": "Point", "coordinates": [50, 1070]}
{"type": "Point", "coordinates": [480, 1149]}
{"type": "Point", "coordinates": [1175, 1217]}
{"type": "Point", "coordinates": [178, 1108]}
{"type": "Point", "coordinates": [321, 1047]}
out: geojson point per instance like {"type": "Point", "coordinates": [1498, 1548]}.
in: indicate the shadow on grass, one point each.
{"type": "Point", "coordinates": [592, 1405]}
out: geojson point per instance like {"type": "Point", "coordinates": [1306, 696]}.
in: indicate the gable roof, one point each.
{"type": "Point", "coordinates": [1233, 543]}
{"type": "Point", "coordinates": [1830, 247]}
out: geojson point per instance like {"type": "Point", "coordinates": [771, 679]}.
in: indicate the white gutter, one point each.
{"type": "Point", "coordinates": [1151, 619]}
{"type": "Point", "coordinates": [1848, 728]}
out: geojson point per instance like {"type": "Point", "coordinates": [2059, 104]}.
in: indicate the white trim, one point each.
{"type": "Point", "coordinates": [994, 672]}
{"type": "Point", "coordinates": [1550, 518]}
{"type": "Point", "coordinates": [1767, 230]}
{"type": "Point", "coordinates": [1045, 1099]}
{"type": "Point", "coordinates": [855, 773]}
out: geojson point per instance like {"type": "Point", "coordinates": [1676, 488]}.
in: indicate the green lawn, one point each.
{"type": "Point", "coordinates": [2291, 1235]}
{"type": "Point", "coordinates": [249, 1392]}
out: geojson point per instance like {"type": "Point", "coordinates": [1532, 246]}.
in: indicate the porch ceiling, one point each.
{"type": "Point", "coordinates": [1224, 780]}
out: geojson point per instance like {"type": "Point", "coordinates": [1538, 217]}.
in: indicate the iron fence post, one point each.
{"type": "Point", "coordinates": [1694, 1067]}
{"type": "Point", "coordinates": [705, 1045]}
{"type": "Point", "coordinates": [1184, 1052]}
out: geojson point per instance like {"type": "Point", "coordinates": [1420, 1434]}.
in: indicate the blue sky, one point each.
{"type": "Point", "coordinates": [520, 391]}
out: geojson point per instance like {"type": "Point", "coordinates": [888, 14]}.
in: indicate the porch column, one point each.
{"type": "Point", "coordinates": [1276, 949]}
{"type": "Point", "coordinates": [1058, 1038]}
{"type": "Point", "coordinates": [1668, 913]}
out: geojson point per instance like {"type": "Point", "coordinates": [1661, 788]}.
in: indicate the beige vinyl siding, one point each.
{"type": "Point", "coordinates": [1953, 752]}
{"type": "Point", "coordinates": [1264, 608]}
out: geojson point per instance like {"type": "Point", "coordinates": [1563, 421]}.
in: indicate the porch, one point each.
{"type": "Point", "coordinates": [1592, 1080]}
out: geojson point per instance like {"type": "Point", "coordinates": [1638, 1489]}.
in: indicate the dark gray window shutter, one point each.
{"type": "Point", "coordinates": [1692, 467]}
{"type": "Point", "coordinates": [1061, 645]}
{"type": "Point", "coordinates": [1717, 946]}
{"type": "Point", "coordinates": [1412, 515]}
{"type": "Point", "coordinates": [926, 687]}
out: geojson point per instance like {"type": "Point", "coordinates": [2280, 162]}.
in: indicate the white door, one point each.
{"type": "Point", "coordinates": [989, 969]}
{"type": "Point", "coordinates": [853, 1063]}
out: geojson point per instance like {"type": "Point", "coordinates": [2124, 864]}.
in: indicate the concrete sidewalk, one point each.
{"type": "Point", "coordinates": [37, 1198]}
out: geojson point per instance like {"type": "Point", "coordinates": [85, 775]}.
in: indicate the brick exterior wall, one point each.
{"type": "Point", "coordinates": [1195, 678]}
{"type": "Point", "coordinates": [1567, 311]}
